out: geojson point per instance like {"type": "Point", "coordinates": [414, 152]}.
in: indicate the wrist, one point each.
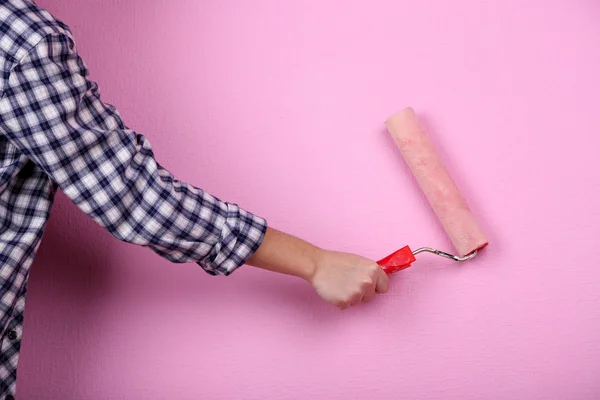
{"type": "Point", "coordinates": [310, 263]}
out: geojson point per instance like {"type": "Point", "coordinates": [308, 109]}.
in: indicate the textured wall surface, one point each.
{"type": "Point", "coordinates": [279, 106]}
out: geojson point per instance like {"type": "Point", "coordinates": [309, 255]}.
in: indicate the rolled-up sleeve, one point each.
{"type": "Point", "coordinates": [53, 113]}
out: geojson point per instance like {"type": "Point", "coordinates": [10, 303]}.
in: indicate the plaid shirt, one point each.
{"type": "Point", "coordinates": [56, 133]}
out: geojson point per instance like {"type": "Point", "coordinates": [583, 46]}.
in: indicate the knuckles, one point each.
{"type": "Point", "coordinates": [342, 304]}
{"type": "Point", "coordinates": [367, 282]}
{"type": "Point", "coordinates": [374, 269]}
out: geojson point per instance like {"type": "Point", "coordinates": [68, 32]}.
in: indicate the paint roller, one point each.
{"type": "Point", "coordinates": [444, 197]}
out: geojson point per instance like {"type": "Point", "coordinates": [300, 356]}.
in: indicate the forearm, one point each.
{"type": "Point", "coordinates": [286, 254]}
{"type": "Point", "coordinates": [340, 278]}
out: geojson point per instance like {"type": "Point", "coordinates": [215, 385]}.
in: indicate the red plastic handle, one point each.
{"type": "Point", "coordinates": [397, 261]}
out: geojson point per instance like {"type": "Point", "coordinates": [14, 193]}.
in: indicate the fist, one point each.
{"type": "Point", "coordinates": [346, 280]}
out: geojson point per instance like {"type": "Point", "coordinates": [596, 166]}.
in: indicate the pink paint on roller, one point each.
{"type": "Point", "coordinates": [441, 191]}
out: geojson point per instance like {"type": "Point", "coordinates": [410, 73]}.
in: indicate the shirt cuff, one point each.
{"type": "Point", "coordinates": [241, 235]}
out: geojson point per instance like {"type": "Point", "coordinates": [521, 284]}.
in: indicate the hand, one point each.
{"type": "Point", "coordinates": [346, 279]}
{"type": "Point", "coordinates": [340, 278]}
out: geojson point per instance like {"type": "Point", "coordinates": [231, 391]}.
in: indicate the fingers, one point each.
{"type": "Point", "coordinates": [368, 287]}
{"type": "Point", "coordinates": [360, 286]}
{"type": "Point", "coordinates": [368, 296]}
{"type": "Point", "coordinates": [356, 299]}
{"type": "Point", "coordinates": [382, 283]}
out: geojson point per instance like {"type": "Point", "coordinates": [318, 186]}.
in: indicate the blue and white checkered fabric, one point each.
{"type": "Point", "coordinates": [56, 133]}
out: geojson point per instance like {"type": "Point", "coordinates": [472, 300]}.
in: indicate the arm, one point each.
{"type": "Point", "coordinates": [53, 113]}
{"type": "Point", "coordinates": [340, 278]}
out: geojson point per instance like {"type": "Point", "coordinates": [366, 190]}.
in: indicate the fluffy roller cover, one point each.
{"type": "Point", "coordinates": [441, 191]}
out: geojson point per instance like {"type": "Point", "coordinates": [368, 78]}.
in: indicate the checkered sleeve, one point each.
{"type": "Point", "coordinates": [53, 113]}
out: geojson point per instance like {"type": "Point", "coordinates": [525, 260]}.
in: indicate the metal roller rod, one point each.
{"type": "Point", "coordinates": [444, 254]}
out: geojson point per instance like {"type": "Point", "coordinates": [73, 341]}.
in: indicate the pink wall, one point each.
{"type": "Point", "coordinates": [279, 105]}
